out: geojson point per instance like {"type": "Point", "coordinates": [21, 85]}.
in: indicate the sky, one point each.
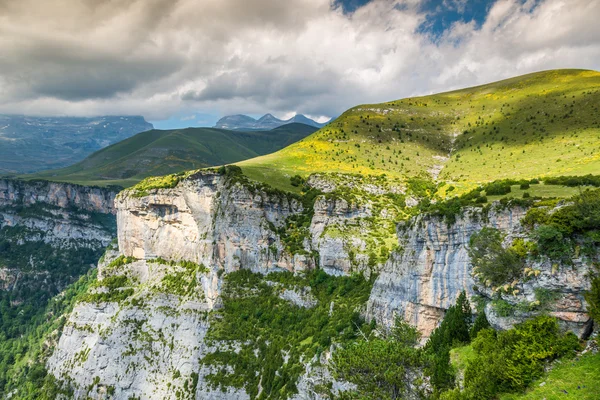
{"type": "Point", "coordinates": [188, 62]}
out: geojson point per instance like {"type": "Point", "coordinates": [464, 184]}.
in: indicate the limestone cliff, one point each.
{"type": "Point", "coordinates": [144, 329]}
{"type": "Point", "coordinates": [209, 221]}
{"type": "Point", "coordinates": [422, 279]}
{"type": "Point", "coordinates": [51, 232]}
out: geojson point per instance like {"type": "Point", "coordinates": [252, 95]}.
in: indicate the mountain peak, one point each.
{"type": "Point", "coordinates": [266, 122]}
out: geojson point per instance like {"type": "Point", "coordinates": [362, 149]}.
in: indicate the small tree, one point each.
{"type": "Point", "coordinates": [453, 331]}
{"type": "Point", "coordinates": [380, 367]}
{"type": "Point", "coordinates": [495, 264]}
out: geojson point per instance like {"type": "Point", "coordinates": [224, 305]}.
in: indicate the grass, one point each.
{"type": "Point", "coordinates": [580, 378]}
{"type": "Point", "coordinates": [460, 357]}
{"type": "Point", "coordinates": [539, 190]}
{"type": "Point", "coordinates": [567, 374]}
{"type": "Point", "coordinates": [157, 153]}
{"type": "Point", "coordinates": [536, 125]}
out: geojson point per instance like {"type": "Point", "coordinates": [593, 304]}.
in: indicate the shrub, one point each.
{"type": "Point", "coordinates": [524, 186]}
{"type": "Point", "coordinates": [552, 243]}
{"type": "Point", "coordinates": [509, 361]}
{"type": "Point", "coordinates": [379, 368]}
{"type": "Point", "coordinates": [497, 188]}
{"type": "Point", "coordinates": [535, 216]}
{"type": "Point", "coordinates": [422, 187]}
{"type": "Point", "coordinates": [593, 297]}
{"type": "Point", "coordinates": [454, 330]}
{"type": "Point", "coordinates": [492, 262]}
{"type": "Point", "coordinates": [573, 181]}
{"type": "Point", "coordinates": [297, 180]}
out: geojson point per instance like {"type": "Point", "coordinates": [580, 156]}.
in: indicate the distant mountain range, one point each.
{"type": "Point", "coordinates": [30, 144]}
{"type": "Point", "coordinates": [158, 152]}
{"type": "Point", "coordinates": [267, 121]}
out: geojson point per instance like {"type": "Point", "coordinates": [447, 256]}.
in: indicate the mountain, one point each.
{"type": "Point", "coordinates": [535, 125]}
{"type": "Point", "coordinates": [30, 144]}
{"type": "Point", "coordinates": [267, 121]}
{"type": "Point", "coordinates": [314, 272]}
{"type": "Point", "coordinates": [159, 152]}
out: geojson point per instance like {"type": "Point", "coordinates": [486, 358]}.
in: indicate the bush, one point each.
{"type": "Point", "coordinates": [479, 324]}
{"type": "Point", "coordinates": [497, 188]}
{"type": "Point", "coordinates": [297, 180]}
{"type": "Point", "coordinates": [509, 361]}
{"type": "Point", "coordinates": [593, 297]}
{"type": "Point", "coordinates": [526, 195]}
{"type": "Point", "coordinates": [573, 181]}
{"type": "Point", "coordinates": [494, 264]}
{"type": "Point", "coordinates": [524, 186]}
{"type": "Point", "coordinates": [379, 368]}
{"type": "Point", "coordinates": [552, 243]}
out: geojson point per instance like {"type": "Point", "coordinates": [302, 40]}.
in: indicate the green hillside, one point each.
{"type": "Point", "coordinates": [158, 152]}
{"type": "Point", "coordinates": [536, 125]}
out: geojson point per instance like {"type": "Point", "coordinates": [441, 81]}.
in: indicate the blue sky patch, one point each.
{"type": "Point", "coordinates": [441, 14]}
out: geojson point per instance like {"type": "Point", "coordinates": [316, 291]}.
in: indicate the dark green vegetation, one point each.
{"type": "Point", "coordinates": [571, 229]}
{"type": "Point", "coordinates": [542, 124]}
{"type": "Point", "coordinates": [492, 362]}
{"type": "Point", "coordinates": [255, 318]}
{"type": "Point", "coordinates": [157, 152]}
{"type": "Point", "coordinates": [38, 264]}
{"type": "Point", "coordinates": [30, 144]}
{"type": "Point", "coordinates": [23, 356]}
{"type": "Point", "coordinates": [381, 367]}
{"type": "Point", "coordinates": [454, 330]}
{"type": "Point", "coordinates": [509, 361]}
{"type": "Point", "coordinates": [494, 264]}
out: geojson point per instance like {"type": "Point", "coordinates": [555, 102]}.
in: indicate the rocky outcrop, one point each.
{"type": "Point", "coordinates": [15, 192]}
{"type": "Point", "coordinates": [149, 346]}
{"type": "Point", "coordinates": [45, 224]}
{"type": "Point", "coordinates": [422, 279]}
{"type": "Point", "coordinates": [208, 221]}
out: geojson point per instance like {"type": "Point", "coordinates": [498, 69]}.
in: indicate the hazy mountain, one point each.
{"type": "Point", "coordinates": [267, 121]}
{"type": "Point", "coordinates": [30, 144]}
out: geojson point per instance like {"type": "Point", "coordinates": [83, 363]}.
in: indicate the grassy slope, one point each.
{"type": "Point", "coordinates": [159, 152]}
{"type": "Point", "coordinates": [535, 125]}
{"type": "Point", "coordinates": [570, 379]}
{"type": "Point", "coordinates": [579, 377]}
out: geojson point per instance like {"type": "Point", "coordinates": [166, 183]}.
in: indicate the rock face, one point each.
{"type": "Point", "coordinates": [148, 347]}
{"type": "Point", "coordinates": [205, 220]}
{"type": "Point", "coordinates": [45, 224]}
{"type": "Point", "coordinates": [425, 277]}
{"type": "Point", "coordinates": [150, 344]}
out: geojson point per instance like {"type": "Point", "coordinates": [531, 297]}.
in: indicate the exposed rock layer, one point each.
{"type": "Point", "coordinates": [136, 347]}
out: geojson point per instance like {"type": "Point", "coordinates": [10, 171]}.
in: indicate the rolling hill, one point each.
{"type": "Point", "coordinates": [535, 125]}
{"type": "Point", "coordinates": [159, 152]}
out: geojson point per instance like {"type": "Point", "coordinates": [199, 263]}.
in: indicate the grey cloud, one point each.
{"type": "Point", "coordinates": [156, 57]}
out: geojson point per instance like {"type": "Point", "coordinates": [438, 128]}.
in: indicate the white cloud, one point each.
{"type": "Point", "coordinates": [159, 58]}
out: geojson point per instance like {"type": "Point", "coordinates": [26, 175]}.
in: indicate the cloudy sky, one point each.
{"type": "Point", "coordinates": [187, 62]}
